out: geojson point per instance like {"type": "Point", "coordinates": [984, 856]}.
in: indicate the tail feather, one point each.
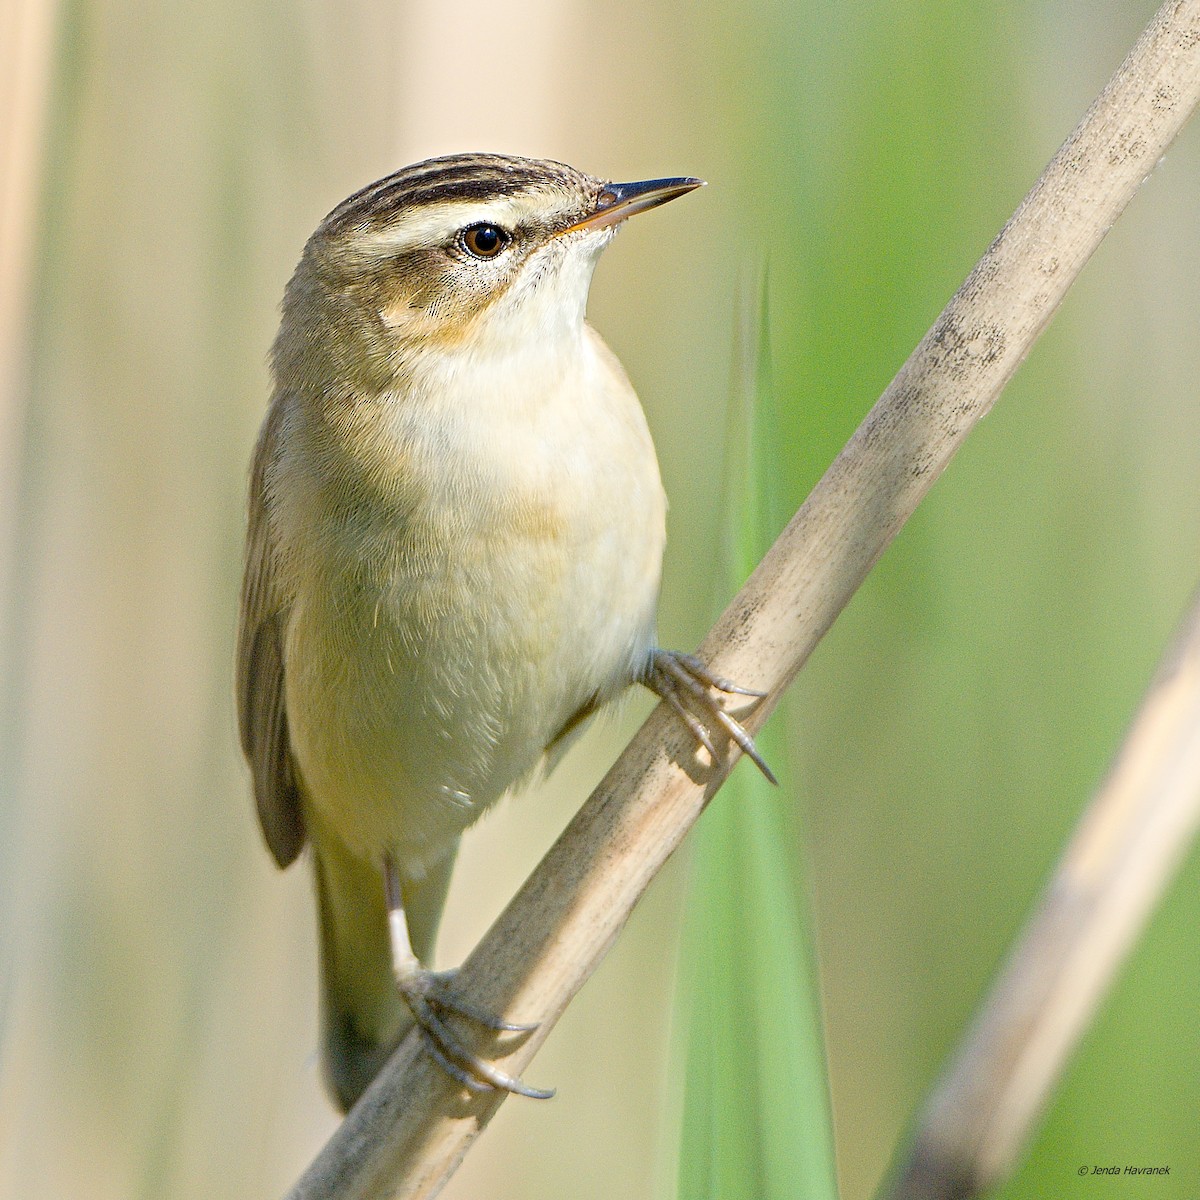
{"type": "Point", "coordinates": [351, 1059]}
{"type": "Point", "coordinates": [363, 1017]}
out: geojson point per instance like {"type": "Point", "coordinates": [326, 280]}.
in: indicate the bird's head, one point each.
{"type": "Point", "coordinates": [481, 251]}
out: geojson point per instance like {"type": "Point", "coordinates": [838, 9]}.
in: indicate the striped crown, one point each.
{"type": "Point", "coordinates": [456, 177]}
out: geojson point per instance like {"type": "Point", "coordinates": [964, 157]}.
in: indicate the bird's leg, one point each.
{"type": "Point", "coordinates": [686, 684]}
{"type": "Point", "coordinates": [430, 996]}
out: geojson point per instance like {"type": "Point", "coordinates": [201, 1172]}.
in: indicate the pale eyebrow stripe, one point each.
{"type": "Point", "coordinates": [437, 224]}
{"type": "Point", "coordinates": [434, 225]}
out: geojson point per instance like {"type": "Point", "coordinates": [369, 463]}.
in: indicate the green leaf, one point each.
{"type": "Point", "coordinates": [755, 1114]}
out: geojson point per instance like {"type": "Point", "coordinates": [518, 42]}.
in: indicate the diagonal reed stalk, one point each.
{"type": "Point", "coordinates": [413, 1126]}
{"type": "Point", "coordinates": [1123, 853]}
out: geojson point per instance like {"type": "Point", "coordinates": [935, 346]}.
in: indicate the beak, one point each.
{"type": "Point", "coordinates": [621, 200]}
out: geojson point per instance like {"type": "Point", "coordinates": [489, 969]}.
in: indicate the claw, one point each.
{"type": "Point", "coordinates": [442, 995]}
{"type": "Point", "coordinates": [430, 995]}
{"type": "Point", "coordinates": [692, 722]}
{"type": "Point", "coordinates": [427, 997]}
{"type": "Point", "coordinates": [674, 676]}
{"type": "Point", "coordinates": [452, 1068]}
{"type": "Point", "coordinates": [699, 671]}
{"type": "Point", "coordinates": [740, 734]}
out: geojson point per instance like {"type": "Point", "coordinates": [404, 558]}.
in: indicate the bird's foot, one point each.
{"type": "Point", "coordinates": [686, 684]}
{"type": "Point", "coordinates": [430, 996]}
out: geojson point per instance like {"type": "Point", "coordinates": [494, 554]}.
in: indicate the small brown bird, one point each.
{"type": "Point", "coordinates": [456, 528]}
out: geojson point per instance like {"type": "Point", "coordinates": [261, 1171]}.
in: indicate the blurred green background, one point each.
{"type": "Point", "coordinates": [162, 166]}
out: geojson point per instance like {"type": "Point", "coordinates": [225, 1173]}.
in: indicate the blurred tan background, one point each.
{"type": "Point", "coordinates": [162, 166]}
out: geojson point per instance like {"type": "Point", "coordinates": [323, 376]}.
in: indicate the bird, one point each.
{"type": "Point", "coordinates": [454, 544]}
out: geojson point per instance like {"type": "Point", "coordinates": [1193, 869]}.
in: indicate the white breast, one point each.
{"type": "Point", "coordinates": [438, 643]}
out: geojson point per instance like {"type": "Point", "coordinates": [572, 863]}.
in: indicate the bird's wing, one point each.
{"type": "Point", "coordinates": [262, 713]}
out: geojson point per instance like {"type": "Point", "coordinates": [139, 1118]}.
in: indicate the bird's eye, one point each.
{"type": "Point", "coordinates": [484, 241]}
